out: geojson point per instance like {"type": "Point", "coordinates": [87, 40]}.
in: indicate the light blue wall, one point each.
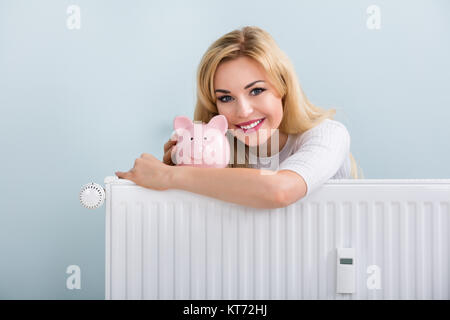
{"type": "Point", "coordinates": [77, 105]}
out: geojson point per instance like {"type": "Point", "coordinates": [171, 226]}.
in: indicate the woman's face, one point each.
{"type": "Point", "coordinates": [245, 96]}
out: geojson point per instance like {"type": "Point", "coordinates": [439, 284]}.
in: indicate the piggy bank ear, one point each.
{"type": "Point", "coordinates": [181, 122]}
{"type": "Point", "coordinates": [219, 122]}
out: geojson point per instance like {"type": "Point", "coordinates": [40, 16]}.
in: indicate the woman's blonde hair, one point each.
{"type": "Point", "coordinates": [299, 114]}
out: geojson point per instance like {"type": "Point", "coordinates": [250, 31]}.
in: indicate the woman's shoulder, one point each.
{"type": "Point", "coordinates": [327, 128]}
{"type": "Point", "coordinates": [330, 123]}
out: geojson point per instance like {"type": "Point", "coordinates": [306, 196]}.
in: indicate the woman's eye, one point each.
{"type": "Point", "coordinates": [220, 98]}
{"type": "Point", "coordinates": [262, 89]}
{"type": "Point", "coordinates": [259, 91]}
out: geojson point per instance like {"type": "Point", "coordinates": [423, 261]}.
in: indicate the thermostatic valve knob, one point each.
{"type": "Point", "coordinates": [92, 195]}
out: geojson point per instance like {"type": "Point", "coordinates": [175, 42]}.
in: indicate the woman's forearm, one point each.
{"type": "Point", "coordinates": [244, 186]}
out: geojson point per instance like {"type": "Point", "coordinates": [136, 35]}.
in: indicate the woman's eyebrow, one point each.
{"type": "Point", "coordinates": [247, 86]}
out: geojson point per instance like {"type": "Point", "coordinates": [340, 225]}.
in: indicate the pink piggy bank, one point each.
{"type": "Point", "coordinates": [202, 145]}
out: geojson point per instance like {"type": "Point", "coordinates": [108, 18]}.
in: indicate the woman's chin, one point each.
{"type": "Point", "coordinates": [252, 140]}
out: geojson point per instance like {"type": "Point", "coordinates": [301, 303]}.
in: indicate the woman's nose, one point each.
{"type": "Point", "coordinates": [244, 109]}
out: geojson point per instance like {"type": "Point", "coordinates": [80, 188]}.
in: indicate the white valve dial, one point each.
{"type": "Point", "coordinates": [92, 195]}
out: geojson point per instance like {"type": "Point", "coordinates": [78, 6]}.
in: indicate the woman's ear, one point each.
{"type": "Point", "coordinates": [219, 122]}
{"type": "Point", "coordinates": [181, 122]}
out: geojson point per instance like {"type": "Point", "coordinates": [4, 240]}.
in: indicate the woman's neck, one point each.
{"type": "Point", "coordinates": [282, 139]}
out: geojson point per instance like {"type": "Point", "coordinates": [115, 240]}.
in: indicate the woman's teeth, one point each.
{"type": "Point", "coordinates": [254, 124]}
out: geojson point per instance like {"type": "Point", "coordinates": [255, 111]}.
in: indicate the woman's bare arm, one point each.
{"type": "Point", "coordinates": [244, 186]}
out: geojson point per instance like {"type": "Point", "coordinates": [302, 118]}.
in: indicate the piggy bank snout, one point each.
{"type": "Point", "coordinates": [202, 147]}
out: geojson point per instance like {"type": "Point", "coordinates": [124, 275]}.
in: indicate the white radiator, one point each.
{"type": "Point", "coordinates": [179, 245]}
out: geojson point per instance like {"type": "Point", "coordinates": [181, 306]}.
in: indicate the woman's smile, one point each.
{"type": "Point", "coordinates": [251, 126]}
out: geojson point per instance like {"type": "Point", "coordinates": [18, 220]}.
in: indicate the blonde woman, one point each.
{"type": "Point", "coordinates": [247, 78]}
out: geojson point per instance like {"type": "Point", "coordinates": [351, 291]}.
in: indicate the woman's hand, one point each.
{"type": "Point", "coordinates": [169, 149]}
{"type": "Point", "coordinates": [148, 172]}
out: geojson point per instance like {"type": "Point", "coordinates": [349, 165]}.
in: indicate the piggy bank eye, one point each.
{"type": "Point", "coordinates": [192, 138]}
{"type": "Point", "coordinates": [205, 138]}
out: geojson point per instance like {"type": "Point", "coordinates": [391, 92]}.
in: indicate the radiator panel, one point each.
{"type": "Point", "coordinates": [179, 245]}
